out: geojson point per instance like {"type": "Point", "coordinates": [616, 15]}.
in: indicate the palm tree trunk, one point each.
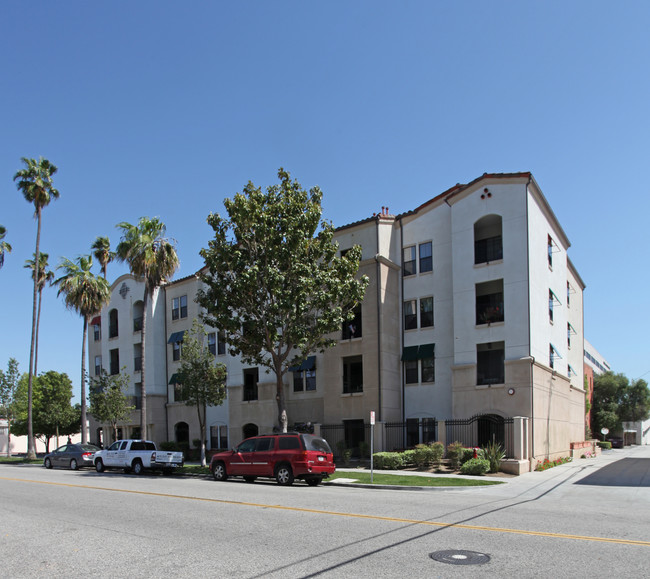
{"type": "Point", "coordinates": [31, 453]}
{"type": "Point", "coordinates": [84, 434]}
{"type": "Point", "coordinates": [143, 393]}
{"type": "Point", "coordinates": [38, 325]}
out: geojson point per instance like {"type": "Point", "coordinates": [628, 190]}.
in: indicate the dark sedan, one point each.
{"type": "Point", "coordinates": [73, 456]}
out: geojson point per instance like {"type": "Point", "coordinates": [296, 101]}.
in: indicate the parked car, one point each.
{"type": "Point", "coordinates": [137, 456]}
{"type": "Point", "coordinates": [285, 457]}
{"type": "Point", "coordinates": [71, 455]}
{"type": "Point", "coordinates": [616, 441]}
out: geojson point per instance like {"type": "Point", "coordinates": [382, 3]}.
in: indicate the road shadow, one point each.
{"type": "Point", "coordinates": [627, 472]}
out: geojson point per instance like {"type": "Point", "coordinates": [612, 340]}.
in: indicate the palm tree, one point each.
{"type": "Point", "coordinates": [44, 276]}
{"type": "Point", "coordinates": [35, 183]}
{"type": "Point", "coordinates": [152, 257]}
{"type": "Point", "coordinates": [86, 294]}
{"type": "Point", "coordinates": [102, 252]}
{"type": "Point", "coordinates": [4, 246]}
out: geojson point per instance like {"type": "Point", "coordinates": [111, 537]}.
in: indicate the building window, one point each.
{"type": "Point", "coordinates": [113, 330]}
{"type": "Point", "coordinates": [181, 393]}
{"type": "Point", "coordinates": [212, 343]}
{"type": "Point", "coordinates": [115, 361]}
{"type": "Point", "coordinates": [97, 332]}
{"type": "Point", "coordinates": [251, 377]}
{"type": "Point", "coordinates": [408, 260]}
{"type": "Point", "coordinates": [221, 343]}
{"type": "Point", "coordinates": [550, 251]}
{"type": "Point", "coordinates": [137, 357]}
{"type": "Point", "coordinates": [553, 355]}
{"type": "Point", "coordinates": [176, 351]}
{"type": "Point", "coordinates": [304, 375]}
{"type": "Point", "coordinates": [489, 302]}
{"type": "Point", "coordinates": [490, 363]}
{"type": "Point", "coordinates": [426, 312]}
{"type": "Point", "coordinates": [352, 374]}
{"type": "Point", "coordinates": [552, 300]}
{"type": "Point", "coordinates": [353, 328]}
{"type": "Point", "coordinates": [179, 307]}
{"type": "Point", "coordinates": [568, 295]}
{"type": "Point", "coordinates": [426, 257]}
{"type": "Point", "coordinates": [98, 365]}
{"type": "Point", "coordinates": [428, 369]}
{"type": "Point", "coordinates": [411, 372]}
{"type": "Point", "coordinates": [219, 437]}
{"type": "Point", "coordinates": [488, 242]}
{"type": "Point", "coordinates": [410, 315]}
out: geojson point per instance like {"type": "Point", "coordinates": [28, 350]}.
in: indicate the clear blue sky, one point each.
{"type": "Point", "coordinates": [166, 108]}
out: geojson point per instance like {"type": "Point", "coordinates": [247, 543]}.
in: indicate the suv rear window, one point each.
{"type": "Point", "coordinates": [289, 443]}
{"type": "Point", "coordinates": [317, 444]}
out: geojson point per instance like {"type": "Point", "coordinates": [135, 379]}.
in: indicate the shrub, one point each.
{"type": "Point", "coordinates": [422, 455]}
{"type": "Point", "coordinates": [437, 452]}
{"type": "Point", "coordinates": [388, 460]}
{"type": "Point", "coordinates": [494, 454]}
{"type": "Point", "coordinates": [455, 454]}
{"type": "Point", "coordinates": [547, 463]}
{"type": "Point", "coordinates": [604, 445]}
{"type": "Point", "coordinates": [364, 449]}
{"type": "Point", "coordinates": [408, 457]}
{"type": "Point", "coordinates": [170, 445]}
{"type": "Point", "coordinates": [475, 466]}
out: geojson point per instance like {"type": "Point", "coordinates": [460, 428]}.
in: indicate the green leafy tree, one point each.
{"type": "Point", "coordinates": [86, 294]}
{"type": "Point", "coordinates": [108, 400]}
{"type": "Point", "coordinates": [101, 249]}
{"type": "Point", "coordinates": [44, 276]}
{"type": "Point", "coordinates": [151, 257]}
{"type": "Point", "coordinates": [53, 414]}
{"type": "Point", "coordinates": [8, 384]}
{"type": "Point", "coordinates": [4, 246]}
{"type": "Point", "coordinates": [635, 402]}
{"type": "Point", "coordinates": [34, 181]}
{"type": "Point", "coordinates": [202, 382]}
{"type": "Point", "coordinates": [274, 284]}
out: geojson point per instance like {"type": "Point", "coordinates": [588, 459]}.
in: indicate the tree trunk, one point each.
{"type": "Point", "coordinates": [38, 325]}
{"type": "Point", "coordinates": [282, 409]}
{"type": "Point", "coordinates": [84, 433]}
{"type": "Point", "coordinates": [31, 452]}
{"type": "Point", "coordinates": [202, 431]}
{"type": "Point", "coordinates": [143, 391]}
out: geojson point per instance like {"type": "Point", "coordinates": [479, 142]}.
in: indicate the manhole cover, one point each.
{"type": "Point", "coordinates": [460, 557]}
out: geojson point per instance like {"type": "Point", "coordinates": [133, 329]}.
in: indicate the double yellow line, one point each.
{"type": "Point", "coordinates": [349, 515]}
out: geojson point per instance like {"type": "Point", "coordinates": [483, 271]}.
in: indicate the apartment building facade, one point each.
{"type": "Point", "coordinates": [473, 309]}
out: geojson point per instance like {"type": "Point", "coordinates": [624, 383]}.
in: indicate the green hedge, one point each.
{"type": "Point", "coordinates": [605, 445]}
{"type": "Point", "coordinates": [475, 466]}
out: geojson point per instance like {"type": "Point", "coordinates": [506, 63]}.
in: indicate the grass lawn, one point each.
{"type": "Point", "coordinates": [412, 480]}
{"type": "Point", "coordinates": [19, 460]}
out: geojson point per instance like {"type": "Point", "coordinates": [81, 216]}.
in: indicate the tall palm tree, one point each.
{"type": "Point", "coordinates": [35, 183]}
{"type": "Point", "coordinates": [86, 294]}
{"type": "Point", "coordinates": [4, 246]}
{"type": "Point", "coordinates": [44, 276]}
{"type": "Point", "coordinates": [101, 248]}
{"type": "Point", "coordinates": [152, 257]}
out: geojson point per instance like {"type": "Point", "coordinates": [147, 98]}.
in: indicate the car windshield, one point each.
{"type": "Point", "coordinates": [317, 444]}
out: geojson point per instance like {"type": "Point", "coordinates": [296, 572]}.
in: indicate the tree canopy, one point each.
{"type": "Point", "coordinates": [274, 283]}
{"type": "Point", "coordinates": [615, 401]}
{"type": "Point", "coordinates": [108, 400]}
{"type": "Point", "coordinates": [201, 382]}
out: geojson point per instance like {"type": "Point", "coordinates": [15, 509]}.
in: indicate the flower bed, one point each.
{"type": "Point", "coordinates": [547, 463]}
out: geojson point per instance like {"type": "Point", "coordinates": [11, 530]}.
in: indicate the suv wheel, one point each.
{"type": "Point", "coordinates": [284, 475]}
{"type": "Point", "coordinates": [219, 471]}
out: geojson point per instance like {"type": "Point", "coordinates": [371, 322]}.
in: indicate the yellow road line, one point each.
{"type": "Point", "coordinates": [350, 515]}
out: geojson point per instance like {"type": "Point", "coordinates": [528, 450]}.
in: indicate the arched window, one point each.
{"type": "Point", "coordinates": [138, 312]}
{"type": "Point", "coordinates": [112, 324]}
{"type": "Point", "coordinates": [488, 241]}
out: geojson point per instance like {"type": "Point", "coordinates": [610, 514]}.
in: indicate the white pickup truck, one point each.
{"type": "Point", "coordinates": [136, 456]}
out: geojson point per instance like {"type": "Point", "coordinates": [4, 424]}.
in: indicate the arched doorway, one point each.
{"type": "Point", "coordinates": [182, 433]}
{"type": "Point", "coordinates": [490, 428]}
{"type": "Point", "coordinates": [250, 429]}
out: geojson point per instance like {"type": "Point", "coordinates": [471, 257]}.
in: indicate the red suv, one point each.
{"type": "Point", "coordinates": [285, 457]}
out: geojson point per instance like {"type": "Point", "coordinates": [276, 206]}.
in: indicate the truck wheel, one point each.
{"type": "Point", "coordinates": [284, 475]}
{"type": "Point", "coordinates": [137, 466]}
{"type": "Point", "coordinates": [219, 471]}
{"type": "Point", "coordinates": [99, 465]}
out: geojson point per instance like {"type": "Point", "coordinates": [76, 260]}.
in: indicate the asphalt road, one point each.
{"type": "Point", "coordinates": [589, 518]}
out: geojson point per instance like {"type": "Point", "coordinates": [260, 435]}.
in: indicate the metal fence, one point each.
{"type": "Point", "coordinates": [480, 430]}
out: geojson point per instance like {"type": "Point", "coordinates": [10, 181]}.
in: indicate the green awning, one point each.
{"type": "Point", "coordinates": [426, 351]}
{"type": "Point", "coordinates": [174, 379]}
{"type": "Point", "coordinates": [176, 337]}
{"type": "Point", "coordinates": [410, 353]}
